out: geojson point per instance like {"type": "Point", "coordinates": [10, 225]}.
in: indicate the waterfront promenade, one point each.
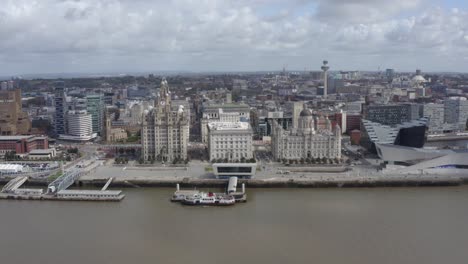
{"type": "Point", "coordinates": [268, 176]}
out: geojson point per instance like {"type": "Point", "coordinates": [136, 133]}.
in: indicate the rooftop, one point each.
{"type": "Point", "coordinates": [89, 192]}
{"type": "Point", "coordinates": [228, 126]}
{"type": "Point", "coordinates": [14, 137]}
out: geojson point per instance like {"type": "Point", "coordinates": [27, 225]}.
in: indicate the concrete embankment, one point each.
{"type": "Point", "coordinates": [266, 183]}
{"type": "Point", "coordinates": [287, 183]}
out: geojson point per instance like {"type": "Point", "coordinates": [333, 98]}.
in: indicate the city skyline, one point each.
{"type": "Point", "coordinates": [221, 36]}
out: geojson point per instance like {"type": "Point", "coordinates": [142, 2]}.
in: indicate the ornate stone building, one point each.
{"type": "Point", "coordinates": [113, 134]}
{"type": "Point", "coordinates": [306, 141]}
{"type": "Point", "coordinates": [165, 129]}
{"type": "Point", "coordinates": [230, 140]}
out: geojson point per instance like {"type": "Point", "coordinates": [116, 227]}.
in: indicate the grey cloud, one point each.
{"type": "Point", "coordinates": [103, 35]}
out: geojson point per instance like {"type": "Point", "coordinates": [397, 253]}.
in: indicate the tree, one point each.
{"type": "Point", "coordinates": [242, 160]}
{"type": "Point", "coordinates": [302, 160]}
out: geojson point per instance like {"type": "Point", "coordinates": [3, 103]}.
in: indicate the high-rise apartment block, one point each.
{"type": "Point", "coordinates": [60, 108]}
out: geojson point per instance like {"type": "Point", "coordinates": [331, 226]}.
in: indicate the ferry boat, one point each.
{"type": "Point", "coordinates": [209, 199]}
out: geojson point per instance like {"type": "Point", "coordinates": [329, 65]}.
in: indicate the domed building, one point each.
{"type": "Point", "coordinates": [306, 141]}
{"type": "Point", "coordinates": [418, 80]}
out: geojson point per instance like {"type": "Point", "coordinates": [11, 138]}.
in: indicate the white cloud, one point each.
{"type": "Point", "coordinates": [108, 35]}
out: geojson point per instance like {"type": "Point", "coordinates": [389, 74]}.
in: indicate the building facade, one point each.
{"type": "Point", "coordinates": [79, 126]}
{"type": "Point", "coordinates": [231, 141]}
{"type": "Point", "coordinates": [456, 111]}
{"type": "Point", "coordinates": [22, 144]}
{"type": "Point", "coordinates": [392, 114]}
{"type": "Point", "coordinates": [13, 121]}
{"type": "Point", "coordinates": [435, 113]}
{"type": "Point", "coordinates": [95, 107]}
{"type": "Point", "coordinates": [113, 134]}
{"type": "Point", "coordinates": [305, 141]}
{"type": "Point", "coordinates": [60, 104]}
{"type": "Point", "coordinates": [165, 130]}
{"type": "Point", "coordinates": [223, 113]}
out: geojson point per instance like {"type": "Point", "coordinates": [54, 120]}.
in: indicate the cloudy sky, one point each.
{"type": "Point", "coordinates": [86, 36]}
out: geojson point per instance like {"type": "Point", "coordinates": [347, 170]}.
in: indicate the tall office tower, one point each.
{"type": "Point", "coordinates": [60, 108]}
{"type": "Point", "coordinates": [456, 111]}
{"type": "Point", "coordinates": [13, 121]}
{"type": "Point", "coordinates": [325, 69]}
{"type": "Point", "coordinates": [95, 107]}
{"type": "Point", "coordinates": [165, 129]}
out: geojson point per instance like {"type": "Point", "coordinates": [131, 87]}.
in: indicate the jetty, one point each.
{"type": "Point", "coordinates": [57, 190]}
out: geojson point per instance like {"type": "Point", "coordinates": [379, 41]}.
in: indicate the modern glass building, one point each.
{"type": "Point", "coordinates": [95, 107]}
{"type": "Point", "coordinates": [60, 108]}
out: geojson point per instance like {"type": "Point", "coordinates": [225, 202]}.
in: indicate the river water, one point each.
{"type": "Point", "coordinates": [381, 225]}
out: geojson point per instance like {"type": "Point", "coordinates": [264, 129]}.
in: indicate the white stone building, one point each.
{"type": "Point", "coordinates": [230, 140]}
{"type": "Point", "coordinates": [165, 129]}
{"type": "Point", "coordinates": [306, 141]}
{"type": "Point", "coordinates": [223, 113]}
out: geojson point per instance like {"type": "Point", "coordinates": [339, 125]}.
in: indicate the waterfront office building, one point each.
{"type": "Point", "coordinates": [79, 126]}
{"type": "Point", "coordinates": [95, 107]}
{"type": "Point", "coordinates": [230, 141]}
{"type": "Point", "coordinates": [392, 114]}
{"type": "Point", "coordinates": [165, 129]}
{"type": "Point", "coordinates": [60, 108]}
{"type": "Point", "coordinates": [307, 141]}
{"type": "Point", "coordinates": [456, 111]}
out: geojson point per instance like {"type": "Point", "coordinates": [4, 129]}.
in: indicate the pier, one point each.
{"type": "Point", "coordinates": [57, 190]}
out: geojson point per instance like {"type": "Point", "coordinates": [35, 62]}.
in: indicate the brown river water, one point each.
{"type": "Point", "coordinates": [381, 225]}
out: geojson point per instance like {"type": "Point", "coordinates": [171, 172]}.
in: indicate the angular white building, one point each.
{"type": "Point", "coordinates": [231, 141]}
{"type": "Point", "coordinates": [165, 129]}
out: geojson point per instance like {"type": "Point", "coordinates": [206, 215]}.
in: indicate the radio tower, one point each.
{"type": "Point", "coordinates": [325, 68]}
